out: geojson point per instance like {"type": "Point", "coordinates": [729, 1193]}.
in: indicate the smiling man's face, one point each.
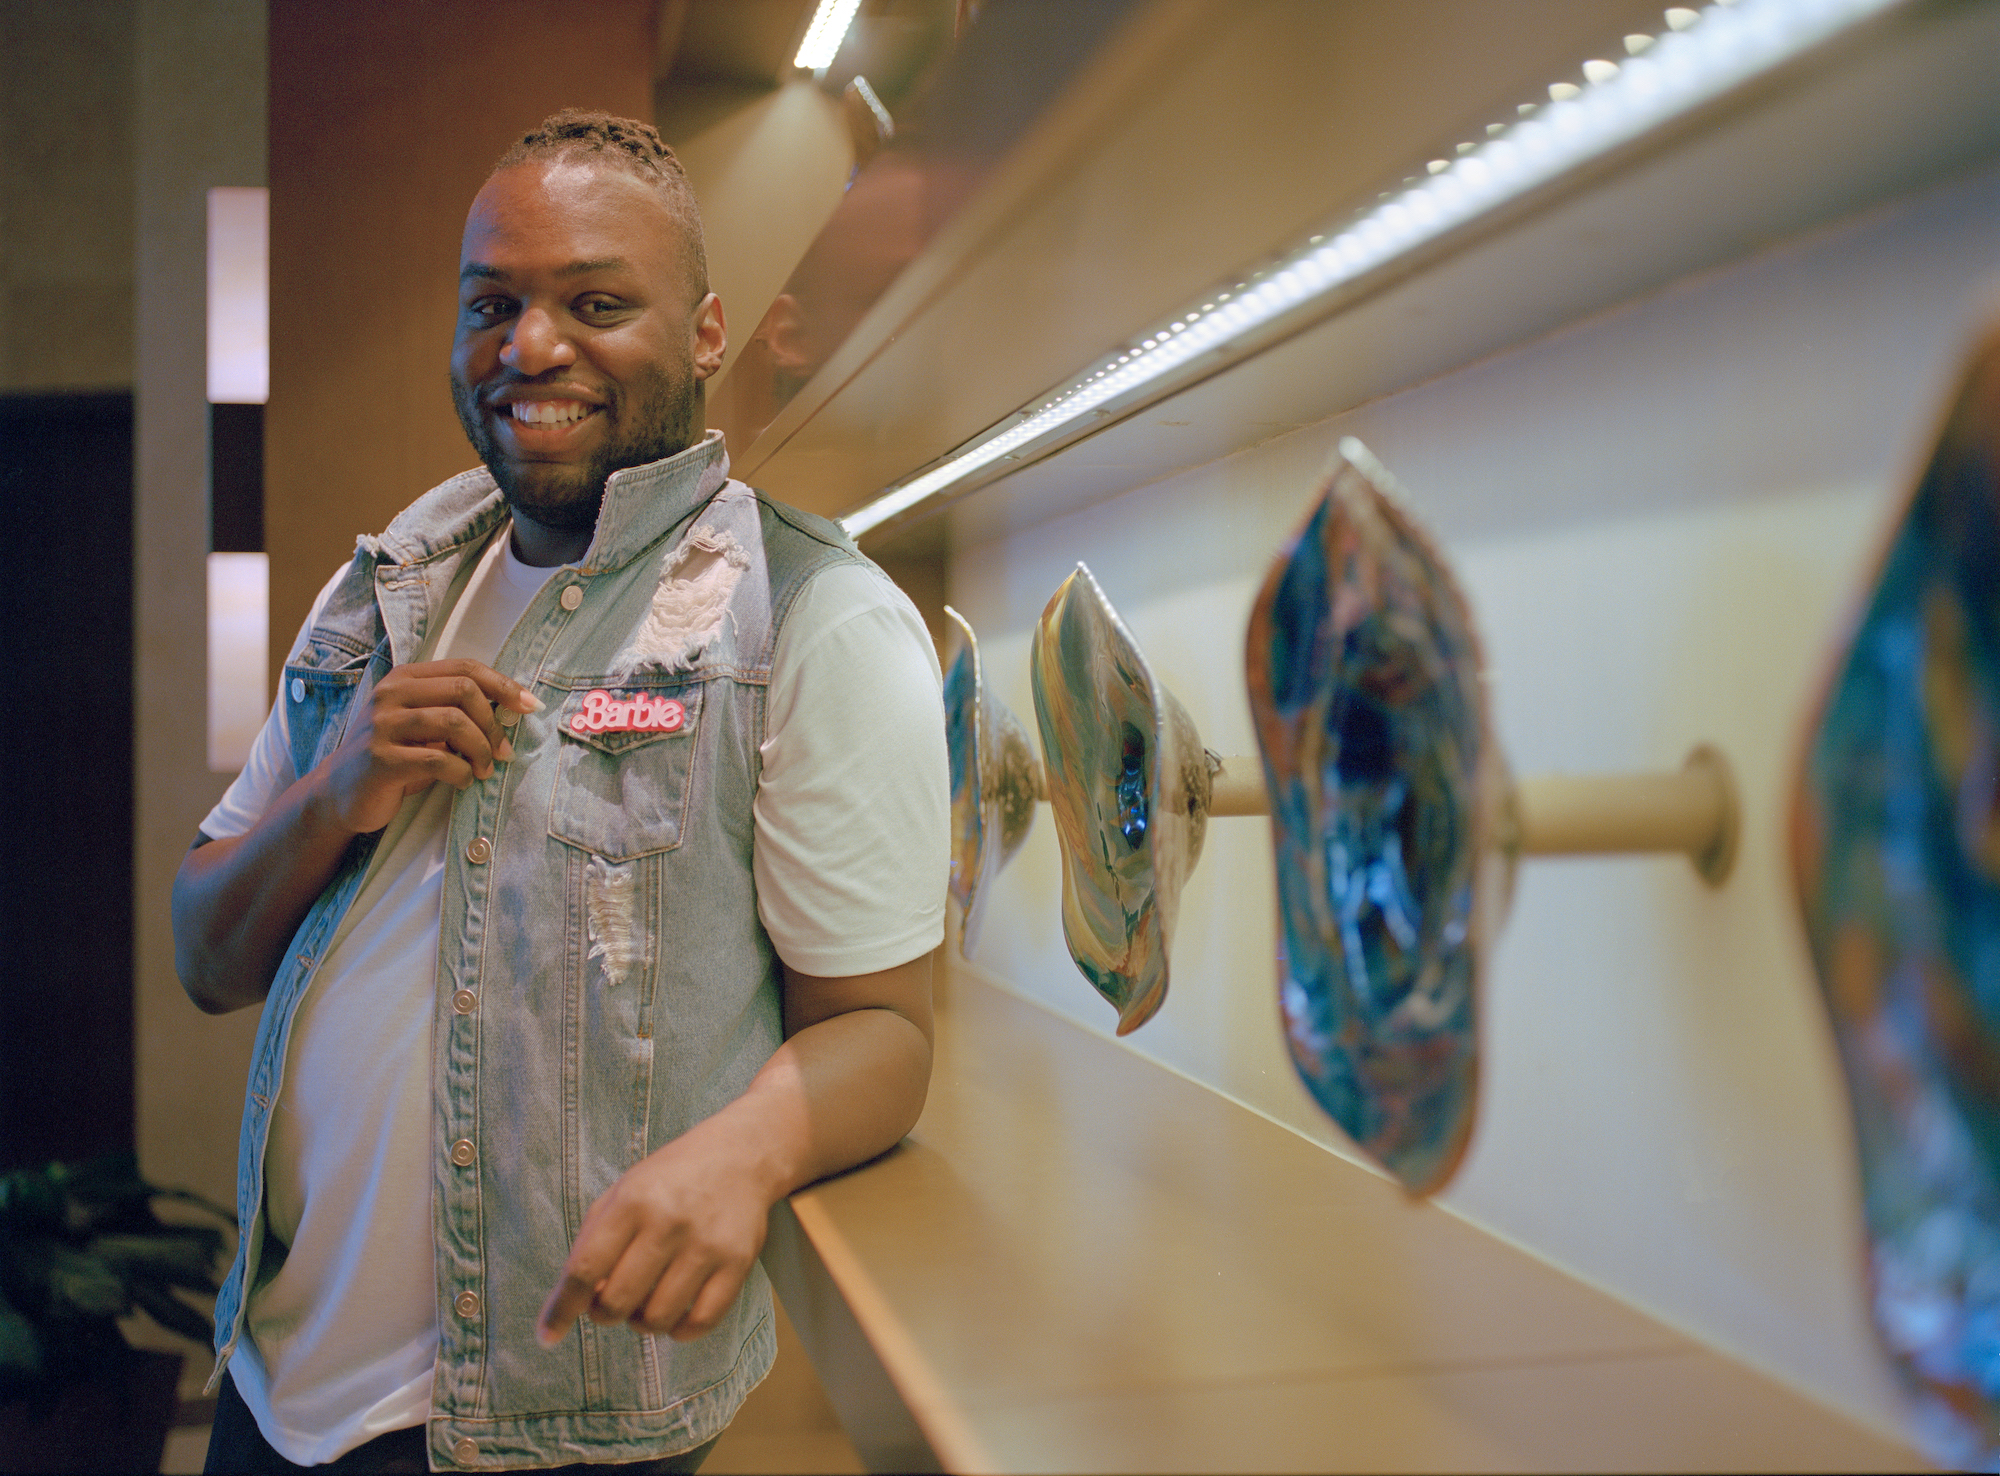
{"type": "Point", "coordinates": [580, 346]}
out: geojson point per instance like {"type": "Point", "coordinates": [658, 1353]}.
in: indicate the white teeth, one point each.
{"type": "Point", "coordinates": [549, 412]}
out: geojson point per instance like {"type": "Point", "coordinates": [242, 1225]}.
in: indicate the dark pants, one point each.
{"type": "Point", "coordinates": [236, 1447]}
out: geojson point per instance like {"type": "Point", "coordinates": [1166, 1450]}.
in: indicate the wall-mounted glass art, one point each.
{"type": "Point", "coordinates": [1896, 846]}
{"type": "Point", "coordinates": [1387, 792]}
{"type": "Point", "coordinates": [995, 779]}
{"type": "Point", "coordinates": [1128, 782]}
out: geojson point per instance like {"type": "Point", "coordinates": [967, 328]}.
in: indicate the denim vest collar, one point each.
{"type": "Point", "coordinates": [641, 505]}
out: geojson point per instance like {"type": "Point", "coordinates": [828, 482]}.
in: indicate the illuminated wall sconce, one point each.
{"type": "Point", "coordinates": [239, 610]}
{"type": "Point", "coordinates": [239, 377]}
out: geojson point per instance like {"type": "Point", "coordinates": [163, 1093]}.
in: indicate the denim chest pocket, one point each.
{"type": "Point", "coordinates": [624, 771]}
{"type": "Point", "coordinates": [316, 705]}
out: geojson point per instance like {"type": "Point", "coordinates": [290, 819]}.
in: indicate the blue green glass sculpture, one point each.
{"type": "Point", "coordinates": [1386, 791]}
{"type": "Point", "coordinates": [994, 780]}
{"type": "Point", "coordinates": [1896, 847]}
{"type": "Point", "coordinates": [1128, 783]}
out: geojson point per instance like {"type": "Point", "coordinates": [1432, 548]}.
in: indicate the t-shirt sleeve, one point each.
{"type": "Point", "coordinates": [853, 813]}
{"type": "Point", "coordinates": [267, 773]}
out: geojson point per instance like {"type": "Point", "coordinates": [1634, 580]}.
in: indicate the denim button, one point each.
{"type": "Point", "coordinates": [462, 1154]}
{"type": "Point", "coordinates": [298, 689]}
{"type": "Point", "coordinates": [480, 851]}
{"type": "Point", "coordinates": [467, 1304]}
{"type": "Point", "coordinates": [507, 716]}
{"type": "Point", "coordinates": [463, 1001]}
{"type": "Point", "coordinates": [466, 1451]}
{"type": "Point", "coordinates": [572, 596]}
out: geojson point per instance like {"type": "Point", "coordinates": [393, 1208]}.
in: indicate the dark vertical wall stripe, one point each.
{"type": "Point", "coordinates": [66, 773]}
{"type": "Point", "coordinates": [236, 478]}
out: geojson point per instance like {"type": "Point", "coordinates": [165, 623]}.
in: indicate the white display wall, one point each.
{"type": "Point", "coordinates": [1662, 516]}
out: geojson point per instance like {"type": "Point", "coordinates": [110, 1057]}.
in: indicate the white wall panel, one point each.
{"type": "Point", "coordinates": [1660, 515]}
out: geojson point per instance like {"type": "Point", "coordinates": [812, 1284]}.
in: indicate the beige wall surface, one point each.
{"type": "Point", "coordinates": [1661, 1110]}
{"type": "Point", "coordinates": [200, 111]}
{"type": "Point", "coordinates": [767, 174]}
{"type": "Point", "coordinates": [66, 205]}
{"type": "Point", "coordinates": [385, 118]}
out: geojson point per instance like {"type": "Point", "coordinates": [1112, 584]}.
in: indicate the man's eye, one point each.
{"type": "Point", "coordinates": [598, 307]}
{"type": "Point", "coordinates": [489, 309]}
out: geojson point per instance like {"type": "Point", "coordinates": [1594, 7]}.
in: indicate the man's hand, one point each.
{"type": "Point", "coordinates": [668, 1246]}
{"type": "Point", "coordinates": [432, 722]}
{"type": "Point", "coordinates": [237, 902]}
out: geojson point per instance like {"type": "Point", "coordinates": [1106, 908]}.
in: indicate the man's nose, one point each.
{"type": "Point", "coordinates": [536, 345]}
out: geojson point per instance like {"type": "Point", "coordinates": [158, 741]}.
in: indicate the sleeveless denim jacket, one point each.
{"type": "Point", "coordinates": [603, 982]}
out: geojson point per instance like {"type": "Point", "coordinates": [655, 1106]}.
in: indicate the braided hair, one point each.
{"type": "Point", "coordinates": [581, 135]}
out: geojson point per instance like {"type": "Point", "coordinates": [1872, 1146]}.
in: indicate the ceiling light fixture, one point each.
{"type": "Point", "coordinates": [823, 37]}
{"type": "Point", "coordinates": [1703, 55]}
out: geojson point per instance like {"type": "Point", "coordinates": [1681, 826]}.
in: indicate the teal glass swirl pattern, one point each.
{"type": "Point", "coordinates": [1385, 784]}
{"type": "Point", "coordinates": [1128, 784]}
{"type": "Point", "coordinates": [994, 780]}
{"type": "Point", "coordinates": [1896, 850]}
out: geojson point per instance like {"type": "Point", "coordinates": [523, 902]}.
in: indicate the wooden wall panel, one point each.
{"type": "Point", "coordinates": [385, 117]}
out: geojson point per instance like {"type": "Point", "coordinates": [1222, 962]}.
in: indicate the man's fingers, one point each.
{"type": "Point", "coordinates": [493, 702]}
{"type": "Point", "coordinates": [601, 1243]}
{"type": "Point", "coordinates": [425, 728]}
{"type": "Point", "coordinates": [709, 1305]}
{"type": "Point", "coordinates": [495, 686]}
{"type": "Point", "coordinates": [573, 1294]}
{"type": "Point", "coordinates": [441, 695]}
{"type": "Point", "coordinates": [644, 1263]}
{"type": "Point", "coordinates": [667, 1301]}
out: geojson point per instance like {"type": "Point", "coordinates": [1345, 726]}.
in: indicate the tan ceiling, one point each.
{"type": "Point", "coordinates": [750, 42]}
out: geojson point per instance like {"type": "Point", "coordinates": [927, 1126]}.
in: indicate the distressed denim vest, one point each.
{"type": "Point", "coordinates": [603, 982]}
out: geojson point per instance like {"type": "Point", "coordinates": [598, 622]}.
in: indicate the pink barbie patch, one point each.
{"type": "Point", "coordinates": [643, 712]}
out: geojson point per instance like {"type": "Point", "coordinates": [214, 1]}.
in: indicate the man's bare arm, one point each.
{"type": "Point", "coordinates": [668, 1246]}
{"type": "Point", "coordinates": [237, 902]}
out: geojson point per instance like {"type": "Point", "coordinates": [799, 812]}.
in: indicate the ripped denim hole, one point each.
{"type": "Point", "coordinates": [609, 897]}
{"type": "Point", "coordinates": [690, 604]}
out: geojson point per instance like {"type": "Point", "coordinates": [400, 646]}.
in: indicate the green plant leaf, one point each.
{"type": "Point", "coordinates": [173, 1314]}
{"type": "Point", "coordinates": [82, 1284]}
{"type": "Point", "coordinates": [31, 1198]}
{"type": "Point", "coordinates": [184, 1255]}
{"type": "Point", "coordinates": [188, 1196]}
{"type": "Point", "coordinates": [20, 1349]}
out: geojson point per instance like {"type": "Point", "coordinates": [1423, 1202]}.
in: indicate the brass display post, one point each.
{"type": "Point", "coordinates": [1694, 811]}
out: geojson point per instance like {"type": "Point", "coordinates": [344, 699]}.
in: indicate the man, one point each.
{"type": "Point", "coordinates": [587, 872]}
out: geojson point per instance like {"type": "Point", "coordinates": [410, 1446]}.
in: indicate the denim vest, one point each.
{"type": "Point", "coordinates": [603, 982]}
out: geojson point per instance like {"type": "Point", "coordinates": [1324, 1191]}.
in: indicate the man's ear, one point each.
{"type": "Point", "coordinates": [784, 330]}
{"type": "Point", "coordinates": [711, 337]}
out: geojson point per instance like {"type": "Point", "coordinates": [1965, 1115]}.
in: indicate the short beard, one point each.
{"type": "Point", "coordinates": [659, 411]}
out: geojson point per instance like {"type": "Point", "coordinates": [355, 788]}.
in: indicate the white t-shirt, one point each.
{"type": "Point", "coordinates": [343, 1338]}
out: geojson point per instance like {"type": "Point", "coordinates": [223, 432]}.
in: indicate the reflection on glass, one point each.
{"type": "Point", "coordinates": [1896, 844]}
{"type": "Point", "coordinates": [959, 111]}
{"type": "Point", "coordinates": [1128, 784]}
{"type": "Point", "coordinates": [994, 780]}
{"type": "Point", "coordinates": [1364, 677]}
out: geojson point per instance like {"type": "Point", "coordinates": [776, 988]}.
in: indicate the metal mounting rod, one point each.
{"type": "Point", "coordinates": [1694, 811]}
{"type": "Point", "coordinates": [1237, 788]}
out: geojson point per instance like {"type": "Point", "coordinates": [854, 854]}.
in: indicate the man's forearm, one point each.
{"type": "Point", "coordinates": [837, 1093]}
{"type": "Point", "coordinates": [237, 902]}
{"type": "Point", "coordinates": [667, 1247]}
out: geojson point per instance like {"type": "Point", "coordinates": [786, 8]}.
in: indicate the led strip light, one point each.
{"type": "Point", "coordinates": [824, 34]}
{"type": "Point", "coordinates": [1702, 55]}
